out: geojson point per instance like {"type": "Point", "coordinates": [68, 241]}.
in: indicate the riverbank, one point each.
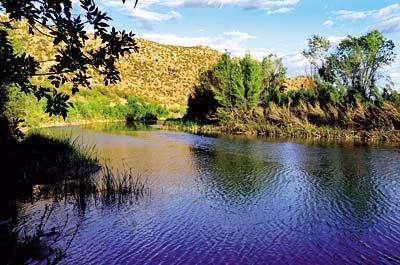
{"type": "Point", "coordinates": [268, 130]}
{"type": "Point", "coordinates": [276, 131]}
{"type": "Point", "coordinates": [69, 123]}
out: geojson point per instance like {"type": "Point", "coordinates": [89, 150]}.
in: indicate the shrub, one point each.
{"type": "Point", "coordinates": [139, 110]}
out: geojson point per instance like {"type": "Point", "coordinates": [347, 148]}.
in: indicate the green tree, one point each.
{"type": "Point", "coordinates": [273, 76]}
{"type": "Point", "coordinates": [317, 52]}
{"type": "Point", "coordinates": [227, 83]}
{"type": "Point", "coordinates": [202, 105]}
{"type": "Point", "coordinates": [252, 81]}
{"type": "Point", "coordinates": [231, 89]}
{"type": "Point", "coordinates": [357, 63]}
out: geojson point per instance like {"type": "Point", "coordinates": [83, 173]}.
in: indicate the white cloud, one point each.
{"type": "Point", "coordinates": [335, 40]}
{"type": "Point", "coordinates": [295, 63]}
{"type": "Point", "coordinates": [145, 9]}
{"type": "Point", "coordinates": [394, 72]}
{"type": "Point", "coordinates": [386, 19]}
{"type": "Point", "coordinates": [146, 15]}
{"type": "Point", "coordinates": [240, 36]}
{"type": "Point", "coordinates": [248, 4]}
{"type": "Point", "coordinates": [386, 11]}
{"type": "Point", "coordinates": [231, 41]}
{"type": "Point", "coordinates": [283, 10]}
{"type": "Point", "coordinates": [352, 15]}
{"type": "Point", "coordinates": [389, 25]}
{"type": "Point", "coordinates": [142, 12]}
{"type": "Point", "coordinates": [329, 23]}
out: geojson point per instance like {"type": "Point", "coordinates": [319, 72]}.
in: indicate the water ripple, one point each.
{"type": "Point", "coordinates": [247, 201]}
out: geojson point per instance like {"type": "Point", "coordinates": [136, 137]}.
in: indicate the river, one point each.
{"type": "Point", "coordinates": [237, 200]}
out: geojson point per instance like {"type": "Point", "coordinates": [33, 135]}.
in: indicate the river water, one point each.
{"type": "Point", "coordinates": [235, 200]}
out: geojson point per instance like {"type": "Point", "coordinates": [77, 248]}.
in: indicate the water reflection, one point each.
{"type": "Point", "coordinates": [233, 177]}
{"type": "Point", "coordinates": [248, 201]}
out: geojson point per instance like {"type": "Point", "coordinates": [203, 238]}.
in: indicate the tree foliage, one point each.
{"type": "Point", "coordinates": [227, 83]}
{"type": "Point", "coordinates": [74, 57]}
{"type": "Point", "coordinates": [358, 60]}
{"type": "Point", "coordinates": [316, 52]}
{"type": "Point", "coordinates": [202, 104]}
{"type": "Point", "coordinates": [354, 65]}
{"type": "Point", "coordinates": [235, 87]}
{"type": "Point", "coordinates": [252, 81]}
{"type": "Point", "coordinates": [273, 75]}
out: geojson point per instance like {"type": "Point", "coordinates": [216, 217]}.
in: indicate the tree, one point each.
{"type": "Point", "coordinates": [358, 60]}
{"type": "Point", "coordinates": [231, 89]}
{"type": "Point", "coordinates": [74, 57]}
{"type": "Point", "coordinates": [273, 76]}
{"type": "Point", "coordinates": [316, 53]}
{"type": "Point", "coordinates": [227, 83]}
{"type": "Point", "coordinates": [202, 105]}
{"type": "Point", "coordinates": [252, 81]}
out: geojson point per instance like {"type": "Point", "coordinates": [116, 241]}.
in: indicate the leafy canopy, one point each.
{"type": "Point", "coordinates": [355, 64]}
{"type": "Point", "coordinates": [236, 87]}
{"type": "Point", "coordinates": [358, 60]}
{"type": "Point", "coordinates": [70, 66]}
{"type": "Point", "coordinates": [316, 52]}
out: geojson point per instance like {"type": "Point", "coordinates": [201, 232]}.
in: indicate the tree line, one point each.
{"type": "Point", "coordinates": [347, 77]}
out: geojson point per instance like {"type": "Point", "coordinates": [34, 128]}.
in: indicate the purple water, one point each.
{"type": "Point", "coordinates": [240, 201]}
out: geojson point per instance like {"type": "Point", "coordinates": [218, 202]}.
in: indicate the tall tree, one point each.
{"type": "Point", "coordinates": [227, 83]}
{"type": "Point", "coordinates": [252, 81]}
{"type": "Point", "coordinates": [317, 52]}
{"type": "Point", "coordinates": [357, 62]}
{"type": "Point", "coordinates": [273, 75]}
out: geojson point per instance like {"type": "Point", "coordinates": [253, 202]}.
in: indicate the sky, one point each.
{"type": "Point", "coordinates": [260, 27]}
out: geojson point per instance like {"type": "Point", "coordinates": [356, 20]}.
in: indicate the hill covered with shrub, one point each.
{"type": "Point", "coordinates": [157, 74]}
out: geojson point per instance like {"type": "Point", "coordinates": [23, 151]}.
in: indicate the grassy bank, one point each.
{"type": "Point", "coordinates": [286, 132]}
{"type": "Point", "coordinates": [49, 169]}
{"type": "Point", "coordinates": [61, 166]}
{"type": "Point", "coordinates": [340, 101]}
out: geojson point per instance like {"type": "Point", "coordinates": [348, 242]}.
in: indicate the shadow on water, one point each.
{"type": "Point", "coordinates": [43, 170]}
{"type": "Point", "coordinates": [231, 176]}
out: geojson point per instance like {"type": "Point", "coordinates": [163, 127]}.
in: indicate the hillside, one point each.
{"type": "Point", "coordinates": [163, 73]}
{"type": "Point", "coordinates": [159, 74]}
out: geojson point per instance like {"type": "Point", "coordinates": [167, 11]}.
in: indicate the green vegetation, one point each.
{"type": "Point", "coordinates": [143, 111]}
{"type": "Point", "coordinates": [43, 167]}
{"type": "Point", "coordinates": [344, 100]}
{"type": "Point", "coordinates": [36, 163]}
{"type": "Point", "coordinates": [43, 160]}
{"type": "Point", "coordinates": [97, 104]}
{"type": "Point", "coordinates": [159, 74]}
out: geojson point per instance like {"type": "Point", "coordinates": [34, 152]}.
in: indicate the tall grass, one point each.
{"type": "Point", "coordinates": [43, 167]}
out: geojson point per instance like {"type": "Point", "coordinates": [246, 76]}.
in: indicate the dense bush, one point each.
{"type": "Point", "coordinates": [202, 104]}
{"type": "Point", "coordinates": [139, 110]}
{"type": "Point", "coordinates": [235, 87]}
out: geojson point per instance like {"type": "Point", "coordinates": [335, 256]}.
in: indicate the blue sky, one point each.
{"type": "Point", "coordinates": [258, 26]}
